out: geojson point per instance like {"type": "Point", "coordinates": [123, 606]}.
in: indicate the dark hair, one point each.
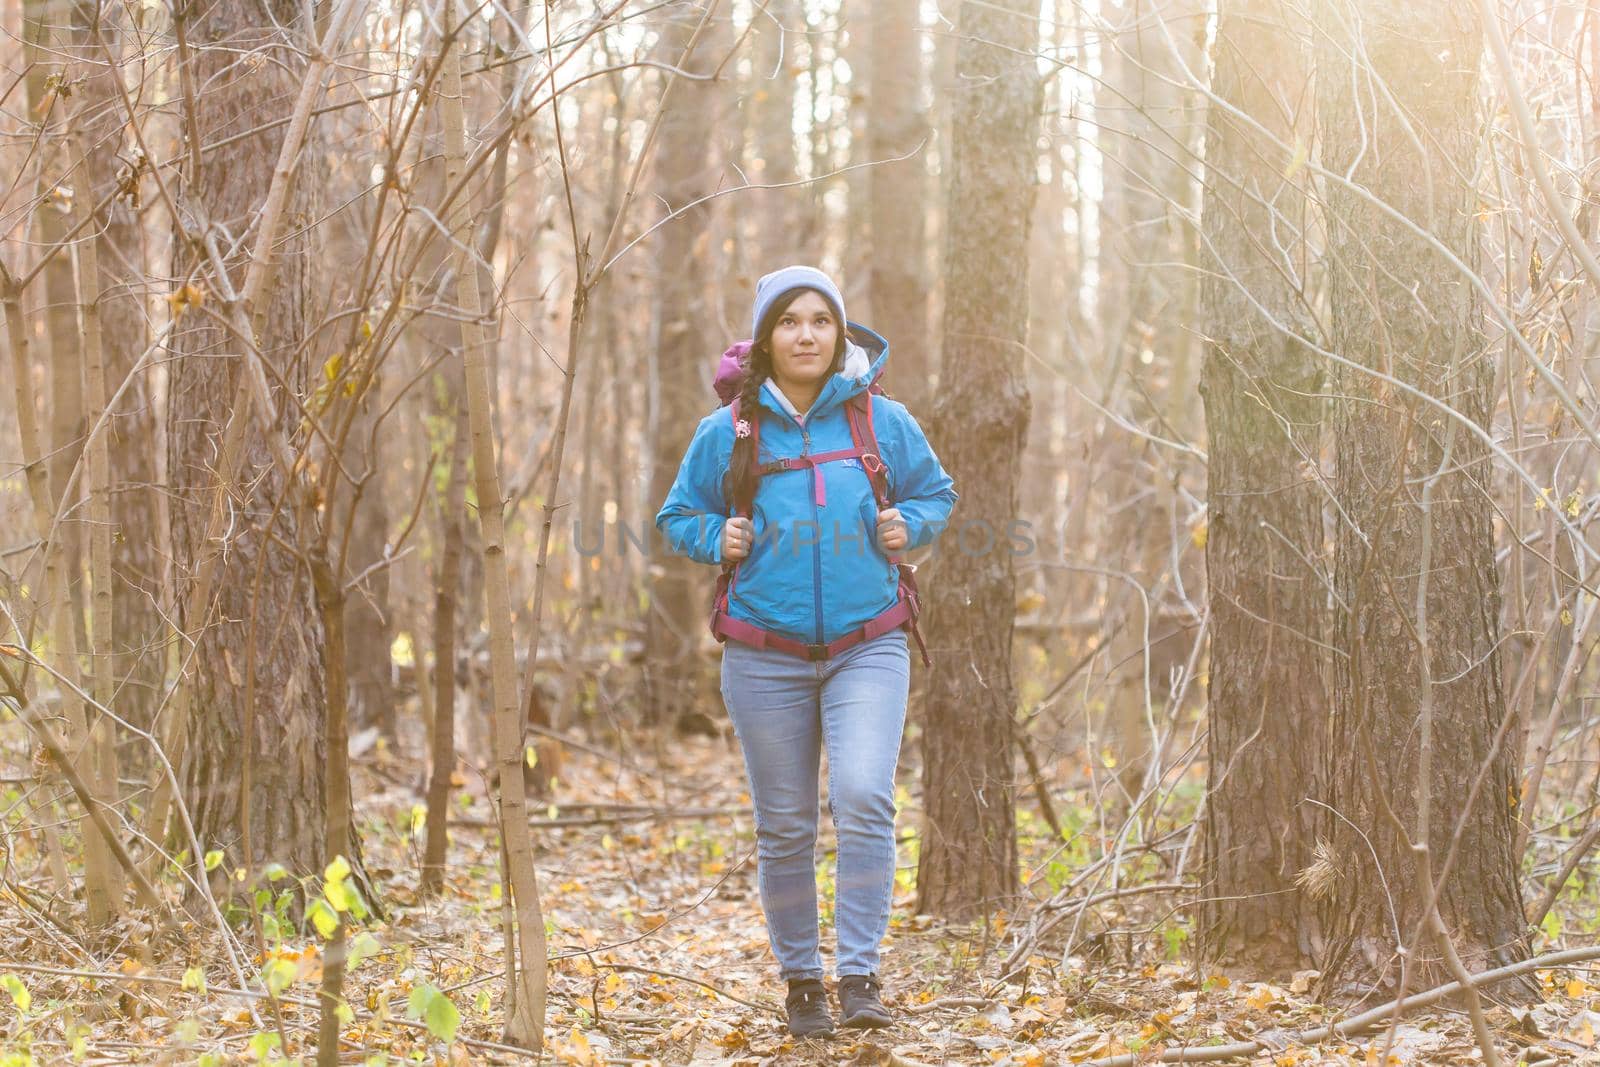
{"type": "Point", "coordinates": [739, 483]}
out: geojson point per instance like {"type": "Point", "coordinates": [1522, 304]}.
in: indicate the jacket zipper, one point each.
{"type": "Point", "coordinates": [816, 547]}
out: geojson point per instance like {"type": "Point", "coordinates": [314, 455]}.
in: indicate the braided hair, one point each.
{"type": "Point", "coordinates": [739, 483]}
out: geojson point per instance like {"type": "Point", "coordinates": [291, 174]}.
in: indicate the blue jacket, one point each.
{"type": "Point", "coordinates": [813, 573]}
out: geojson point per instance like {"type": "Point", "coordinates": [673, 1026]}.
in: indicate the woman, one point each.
{"type": "Point", "coordinates": [805, 666]}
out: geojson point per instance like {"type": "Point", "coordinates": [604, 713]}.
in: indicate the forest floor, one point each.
{"type": "Point", "coordinates": [647, 878]}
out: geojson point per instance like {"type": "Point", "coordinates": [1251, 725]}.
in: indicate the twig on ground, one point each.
{"type": "Point", "coordinates": [718, 990]}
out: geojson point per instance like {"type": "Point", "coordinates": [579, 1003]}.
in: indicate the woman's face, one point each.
{"type": "Point", "coordinates": [803, 341]}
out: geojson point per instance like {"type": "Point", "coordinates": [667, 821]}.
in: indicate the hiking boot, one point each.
{"type": "Point", "coordinates": [807, 1004]}
{"type": "Point", "coordinates": [859, 1006]}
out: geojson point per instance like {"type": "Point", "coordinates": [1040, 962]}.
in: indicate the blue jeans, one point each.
{"type": "Point", "coordinates": [784, 710]}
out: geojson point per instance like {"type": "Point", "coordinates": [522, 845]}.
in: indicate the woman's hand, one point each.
{"type": "Point", "coordinates": [737, 533]}
{"type": "Point", "coordinates": [891, 530]}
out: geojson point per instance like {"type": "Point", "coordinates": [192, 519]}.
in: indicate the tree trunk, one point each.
{"type": "Point", "coordinates": [687, 168]}
{"type": "Point", "coordinates": [1417, 682]}
{"type": "Point", "coordinates": [968, 862]}
{"type": "Point", "coordinates": [897, 283]}
{"type": "Point", "coordinates": [446, 594]}
{"type": "Point", "coordinates": [780, 236]}
{"type": "Point", "coordinates": [526, 963]}
{"type": "Point", "coordinates": [368, 633]}
{"type": "Point", "coordinates": [67, 594]}
{"type": "Point", "coordinates": [1267, 587]}
{"type": "Point", "coordinates": [258, 702]}
{"type": "Point", "coordinates": [137, 628]}
{"type": "Point", "coordinates": [1148, 338]}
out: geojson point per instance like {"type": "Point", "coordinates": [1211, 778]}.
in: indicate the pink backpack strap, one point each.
{"type": "Point", "coordinates": [858, 410]}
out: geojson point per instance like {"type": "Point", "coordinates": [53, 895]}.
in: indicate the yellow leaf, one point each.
{"type": "Point", "coordinates": [1262, 997]}
{"type": "Point", "coordinates": [19, 992]}
{"type": "Point", "coordinates": [1576, 987]}
{"type": "Point", "coordinates": [184, 298]}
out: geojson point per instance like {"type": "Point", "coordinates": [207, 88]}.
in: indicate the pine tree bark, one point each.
{"type": "Point", "coordinates": [1417, 681]}
{"type": "Point", "coordinates": [968, 861]}
{"type": "Point", "coordinates": [1267, 585]}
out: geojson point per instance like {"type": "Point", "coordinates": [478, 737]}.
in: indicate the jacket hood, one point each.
{"type": "Point", "coordinates": [865, 352]}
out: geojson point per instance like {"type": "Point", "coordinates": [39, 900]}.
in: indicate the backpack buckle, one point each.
{"type": "Point", "coordinates": [872, 463]}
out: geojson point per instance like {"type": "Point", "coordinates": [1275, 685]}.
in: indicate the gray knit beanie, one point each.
{"type": "Point", "coordinates": [771, 286]}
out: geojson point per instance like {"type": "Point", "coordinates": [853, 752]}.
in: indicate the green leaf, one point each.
{"type": "Point", "coordinates": [213, 859]}
{"type": "Point", "coordinates": [274, 871]}
{"type": "Point", "coordinates": [263, 1044]}
{"type": "Point", "coordinates": [194, 979]}
{"type": "Point", "coordinates": [337, 895]}
{"type": "Point", "coordinates": [19, 992]}
{"type": "Point", "coordinates": [363, 947]}
{"type": "Point", "coordinates": [279, 975]}
{"type": "Point", "coordinates": [442, 1018]}
{"type": "Point", "coordinates": [436, 1011]}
